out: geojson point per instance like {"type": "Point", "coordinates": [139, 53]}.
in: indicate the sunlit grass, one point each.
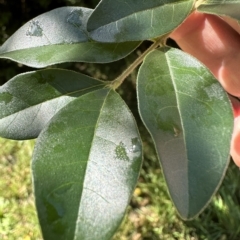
{"type": "Point", "coordinates": [18, 218]}
{"type": "Point", "coordinates": [150, 216]}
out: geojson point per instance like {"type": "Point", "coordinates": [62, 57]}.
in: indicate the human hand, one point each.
{"type": "Point", "coordinates": [215, 42]}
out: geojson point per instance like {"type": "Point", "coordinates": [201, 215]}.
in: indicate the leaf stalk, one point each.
{"type": "Point", "coordinates": [120, 79]}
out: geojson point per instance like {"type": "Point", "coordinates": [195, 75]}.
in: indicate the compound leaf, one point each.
{"type": "Point", "coordinates": [85, 166]}
{"type": "Point", "coordinates": [28, 101]}
{"type": "Point", "coordinates": [136, 20]}
{"type": "Point", "coordinates": [221, 7]}
{"type": "Point", "coordinates": [60, 36]}
{"type": "Point", "coordinates": [190, 119]}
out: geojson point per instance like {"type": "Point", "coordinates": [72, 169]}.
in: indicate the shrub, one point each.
{"type": "Point", "coordinates": [88, 152]}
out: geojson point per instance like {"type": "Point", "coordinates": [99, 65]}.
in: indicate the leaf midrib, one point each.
{"type": "Point", "coordinates": [149, 9]}
{"type": "Point", "coordinates": [63, 95]}
{"type": "Point", "coordinates": [179, 110]}
{"type": "Point", "coordinates": [94, 135]}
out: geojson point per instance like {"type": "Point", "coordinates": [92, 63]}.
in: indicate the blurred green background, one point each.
{"type": "Point", "coordinates": [150, 215]}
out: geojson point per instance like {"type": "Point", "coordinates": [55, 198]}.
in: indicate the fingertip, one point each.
{"type": "Point", "coordinates": [228, 73]}
{"type": "Point", "coordinates": [235, 143]}
{"type": "Point", "coordinates": [235, 105]}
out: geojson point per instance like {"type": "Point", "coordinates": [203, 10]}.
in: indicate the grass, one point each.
{"type": "Point", "coordinates": [18, 218]}
{"type": "Point", "coordinates": [150, 216]}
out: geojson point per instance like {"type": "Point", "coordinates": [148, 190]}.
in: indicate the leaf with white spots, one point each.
{"type": "Point", "coordinates": [85, 167]}
{"type": "Point", "coordinates": [190, 119]}
{"type": "Point", "coordinates": [136, 20]}
{"type": "Point", "coordinates": [60, 36]}
{"type": "Point", "coordinates": [29, 100]}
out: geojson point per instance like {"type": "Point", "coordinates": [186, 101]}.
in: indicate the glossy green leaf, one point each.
{"type": "Point", "coordinates": [135, 20]}
{"type": "Point", "coordinates": [221, 7]}
{"type": "Point", "coordinates": [28, 101]}
{"type": "Point", "coordinates": [190, 119]}
{"type": "Point", "coordinates": [60, 36]}
{"type": "Point", "coordinates": [85, 167]}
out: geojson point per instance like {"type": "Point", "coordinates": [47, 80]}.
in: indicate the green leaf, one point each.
{"type": "Point", "coordinates": [85, 167]}
{"type": "Point", "coordinates": [60, 36]}
{"type": "Point", "coordinates": [136, 20]}
{"type": "Point", "coordinates": [221, 7]}
{"type": "Point", "coordinates": [28, 101]}
{"type": "Point", "coordinates": [190, 119]}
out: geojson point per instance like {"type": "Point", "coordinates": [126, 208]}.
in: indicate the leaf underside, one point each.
{"type": "Point", "coordinates": [190, 119]}
{"type": "Point", "coordinates": [221, 7]}
{"type": "Point", "coordinates": [28, 101]}
{"type": "Point", "coordinates": [136, 20]}
{"type": "Point", "coordinates": [85, 166]}
{"type": "Point", "coordinates": [60, 36]}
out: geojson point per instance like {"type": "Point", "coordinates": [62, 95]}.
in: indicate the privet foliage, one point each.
{"type": "Point", "coordinates": [88, 153]}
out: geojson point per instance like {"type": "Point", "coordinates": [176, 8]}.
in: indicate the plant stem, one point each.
{"type": "Point", "coordinates": [119, 80]}
{"type": "Point", "coordinates": [198, 3]}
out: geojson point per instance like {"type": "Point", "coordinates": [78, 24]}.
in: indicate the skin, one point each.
{"type": "Point", "coordinates": [215, 41]}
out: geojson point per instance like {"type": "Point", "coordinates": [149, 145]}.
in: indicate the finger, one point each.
{"type": "Point", "coordinates": [236, 106]}
{"type": "Point", "coordinates": [214, 43]}
{"type": "Point", "coordinates": [232, 22]}
{"type": "Point", "coordinates": [235, 142]}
